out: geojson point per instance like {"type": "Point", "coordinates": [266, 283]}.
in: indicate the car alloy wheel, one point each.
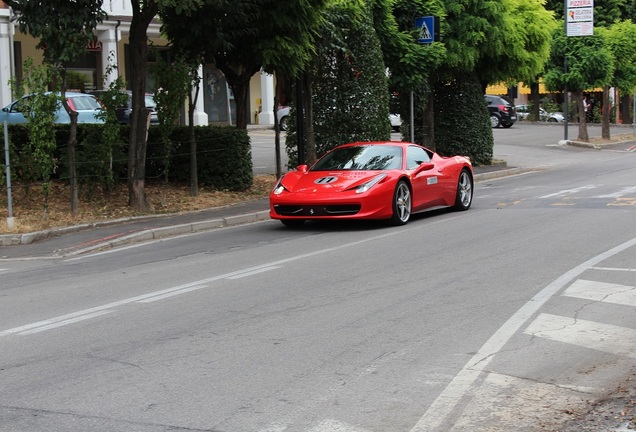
{"type": "Point", "coordinates": [401, 204]}
{"type": "Point", "coordinates": [464, 191]}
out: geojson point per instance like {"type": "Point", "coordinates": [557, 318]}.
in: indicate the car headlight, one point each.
{"type": "Point", "coordinates": [279, 188]}
{"type": "Point", "coordinates": [368, 185]}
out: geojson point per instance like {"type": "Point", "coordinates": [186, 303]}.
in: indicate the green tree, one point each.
{"type": "Point", "coordinates": [101, 157]}
{"type": "Point", "coordinates": [143, 12]}
{"type": "Point", "coordinates": [172, 85]}
{"type": "Point", "coordinates": [620, 38]}
{"type": "Point", "coordinates": [590, 64]}
{"type": "Point", "coordinates": [411, 64]}
{"type": "Point", "coordinates": [64, 29]}
{"type": "Point", "coordinates": [36, 160]}
{"type": "Point", "coordinates": [347, 83]}
{"type": "Point", "coordinates": [241, 37]}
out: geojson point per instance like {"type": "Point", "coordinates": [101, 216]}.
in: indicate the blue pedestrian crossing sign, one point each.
{"type": "Point", "coordinates": [428, 28]}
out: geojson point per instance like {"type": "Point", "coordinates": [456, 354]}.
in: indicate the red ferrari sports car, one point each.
{"type": "Point", "coordinates": [373, 180]}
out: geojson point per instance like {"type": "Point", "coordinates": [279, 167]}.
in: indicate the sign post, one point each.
{"type": "Point", "coordinates": [428, 28]}
{"type": "Point", "coordinates": [578, 21]}
{"type": "Point", "coordinates": [10, 220]}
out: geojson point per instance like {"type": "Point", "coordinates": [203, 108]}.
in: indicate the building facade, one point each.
{"type": "Point", "coordinates": [215, 104]}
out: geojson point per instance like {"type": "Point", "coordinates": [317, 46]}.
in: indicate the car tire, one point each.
{"type": "Point", "coordinates": [507, 125]}
{"type": "Point", "coordinates": [552, 120]}
{"type": "Point", "coordinates": [495, 121]}
{"type": "Point", "coordinates": [282, 124]}
{"type": "Point", "coordinates": [465, 187]}
{"type": "Point", "coordinates": [292, 222]}
{"type": "Point", "coordinates": [401, 204]}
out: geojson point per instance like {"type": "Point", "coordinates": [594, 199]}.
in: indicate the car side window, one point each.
{"type": "Point", "coordinates": [20, 105]}
{"type": "Point", "coordinates": [415, 156]}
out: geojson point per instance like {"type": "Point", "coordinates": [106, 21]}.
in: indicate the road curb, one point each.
{"type": "Point", "coordinates": [173, 230]}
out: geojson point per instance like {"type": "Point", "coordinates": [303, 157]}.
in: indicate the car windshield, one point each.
{"type": "Point", "coordinates": [363, 158]}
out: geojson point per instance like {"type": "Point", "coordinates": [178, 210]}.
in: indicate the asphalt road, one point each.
{"type": "Point", "coordinates": [505, 317]}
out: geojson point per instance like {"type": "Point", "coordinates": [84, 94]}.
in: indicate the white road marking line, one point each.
{"type": "Point", "coordinates": [251, 273]}
{"type": "Point", "coordinates": [1, 270]}
{"type": "Point", "coordinates": [335, 426]}
{"type": "Point", "coordinates": [203, 282]}
{"type": "Point", "coordinates": [569, 191]}
{"type": "Point", "coordinates": [66, 322]}
{"type": "Point", "coordinates": [587, 334]}
{"type": "Point", "coordinates": [171, 294]}
{"type": "Point", "coordinates": [445, 403]}
{"type": "Point", "coordinates": [603, 292]}
{"type": "Point", "coordinates": [625, 191]}
{"type": "Point", "coordinates": [614, 269]}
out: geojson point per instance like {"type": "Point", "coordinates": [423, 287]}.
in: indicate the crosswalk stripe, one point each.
{"type": "Point", "coordinates": [602, 291]}
{"type": "Point", "coordinates": [587, 334]}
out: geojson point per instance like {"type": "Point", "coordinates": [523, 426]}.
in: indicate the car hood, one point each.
{"type": "Point", "coordinates": [326, 181]}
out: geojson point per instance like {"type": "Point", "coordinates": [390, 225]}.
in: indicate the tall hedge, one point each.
{"type": "Point", "coordinates": [462, 125]}
{"type": "Point", "coordinates": [350, 97]}
{"type": "Point", "coordinates": [224, 156]}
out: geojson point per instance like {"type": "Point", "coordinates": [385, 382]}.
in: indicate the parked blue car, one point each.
{"type": "Point", "coordinates": [86, 106]}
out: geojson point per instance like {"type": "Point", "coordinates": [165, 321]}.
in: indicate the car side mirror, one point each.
{"type": "Point", "coordinates": [424, 166]}
{"type": "Point", "coordinates": [303, 168]}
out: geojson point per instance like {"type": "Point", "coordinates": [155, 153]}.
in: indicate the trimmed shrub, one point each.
{"type": "Point", "coordinates": [462, 125]}
{"type": "Point", "coordinates": [223, 156]}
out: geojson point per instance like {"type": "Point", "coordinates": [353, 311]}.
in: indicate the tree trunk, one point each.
{"type": "Point", "coordinates": [583, 136]}
{"type": "Point", "coordinates": [626, 109]}
{"type": "Point", "coordinates": [605, 114]}
{"type": "Point", "coordinates": [139, 115]}
{"type": "Point", "coordinates": [240, 85]}
{"type": "Point", "coordinates": [536, 101]}
{"type": "Point", "coordinates": [70, 147]}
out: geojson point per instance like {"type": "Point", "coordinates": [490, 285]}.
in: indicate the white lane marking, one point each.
{"type": "Point", "coordinates": [445, 403]}
{"type": "Point", "coordinates": [65, 322]}
{"type": "Point", "coordinates": [335, 426]}
{"type": "Point", "coordinates": [614, 269]}
{"type": "Point", "coordinates": [251, 273]}
{"type": "Point", "coordinates": [569, 191]}
{"type": "Point", "coordinates": [204, 282]}
{"type": "Point", "coordinates": [625, 191]}
{"type": "Point", "coordinates": [587, 334]}
{"type": "Point", "coordinates": [172, 294]}
{"type": "Point", "coordinates": [603, 292]}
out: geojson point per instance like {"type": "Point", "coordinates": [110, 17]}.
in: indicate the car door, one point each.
{"type": "Point", "coordinates": [424, 178]}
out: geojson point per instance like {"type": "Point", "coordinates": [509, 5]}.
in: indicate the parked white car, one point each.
{"type": "Point", "coordinates": [524, 111]}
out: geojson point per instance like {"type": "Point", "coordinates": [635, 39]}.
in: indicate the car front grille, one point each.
{"type": "Point", "coordinates": [317, 210]}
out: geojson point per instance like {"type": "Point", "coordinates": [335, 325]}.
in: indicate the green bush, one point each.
{"type": "Point", "coordinates": [462, 125]}
{"type": "Point", "coordinates": [223, 156]}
